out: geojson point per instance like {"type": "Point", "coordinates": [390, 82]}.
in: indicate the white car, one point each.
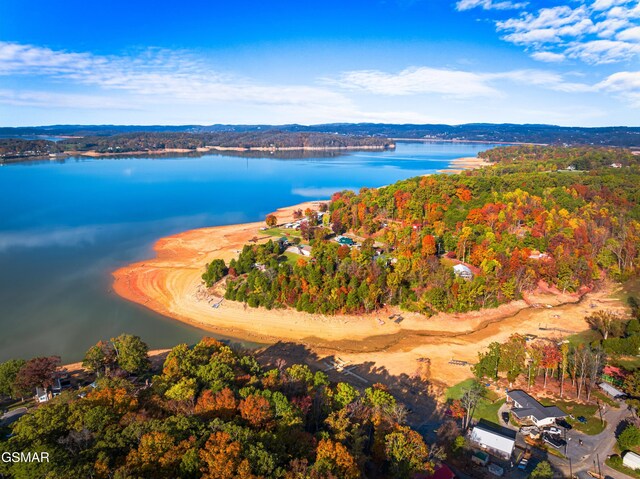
{"type": "Point", "coordinates": [554, 430]}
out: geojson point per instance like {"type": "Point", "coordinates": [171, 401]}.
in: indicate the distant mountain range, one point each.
{"type": "Point", "coordinates": [508, 133]}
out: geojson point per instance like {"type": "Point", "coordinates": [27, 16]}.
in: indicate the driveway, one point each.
{"type": "Point", "coordinates": [12, 416]}
{"type": "Point", "coordinates": [585, 457]}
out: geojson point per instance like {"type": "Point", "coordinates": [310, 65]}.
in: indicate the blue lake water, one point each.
{"type": "Point", "coordinates": [66, 225]}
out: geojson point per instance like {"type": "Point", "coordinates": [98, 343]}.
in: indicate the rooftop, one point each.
{"type": "Point", "coordinates": [529, 406]}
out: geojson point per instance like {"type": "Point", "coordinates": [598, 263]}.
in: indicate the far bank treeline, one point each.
{"type": "Point", "coordinates": [524, 221]}
{"type": "Point", "coordinates": [157, 141]}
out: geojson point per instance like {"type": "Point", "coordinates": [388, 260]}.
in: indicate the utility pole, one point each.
{"type": "Point", "coordinates": [599, 470]}
{"type": "Point", "coordinates": [570, 469]}
{"type": "Point", "coordinates": [600, 411]}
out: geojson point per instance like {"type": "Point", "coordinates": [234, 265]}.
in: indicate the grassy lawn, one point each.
{"type": "Point", "coordinates": [593, 425]}
{"type": "Point", "coordinates": [605, 399]}
{"type": "Point", "coordinates": [280, 232]}
{"type": "Point", "coordinates": [456, 392]}
{"type": "Point", "coordinates": [292, 258]}
{"type": "Point", "coordinates": [488, 410]}
{"type": "Point", "coordinates": [487, 407]}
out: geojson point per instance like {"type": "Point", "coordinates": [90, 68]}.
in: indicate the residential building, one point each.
{"type": "Point", "coordinates": [463, 271]}
{"type": "Point", "coordinates": [527, 409]}
{"type": "Point", "coordinates": [493, 439]}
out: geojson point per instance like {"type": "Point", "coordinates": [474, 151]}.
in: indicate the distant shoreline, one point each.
{"type": "Point", "coordinates": [441, 140]}
{"type": "Point", "coordinates": [96, 154]}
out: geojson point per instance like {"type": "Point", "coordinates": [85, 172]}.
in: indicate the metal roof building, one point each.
{"type": "Point", "coordinates": [631, 460]}
{"type": "Point", "coordinates": [494, 439]}
{"type": "Point", "coordinates": [610, 390]}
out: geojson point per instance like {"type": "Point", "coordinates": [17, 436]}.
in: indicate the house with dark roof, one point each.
{"type": "Point", "coordinates": [528, 409]}
{"type": "Point", "coordinates": [493, 438]}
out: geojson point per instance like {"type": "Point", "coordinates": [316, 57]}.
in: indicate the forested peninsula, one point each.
{"type": "Point", "coordinates": [550, 218]}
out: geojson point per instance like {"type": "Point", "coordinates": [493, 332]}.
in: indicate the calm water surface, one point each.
{"type": "Point", "coordinates": [64, 226]}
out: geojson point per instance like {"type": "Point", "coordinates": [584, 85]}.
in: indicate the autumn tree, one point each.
{"type": "Point", "coordinates": [551, 357]}
{"type": "Point", "coordinates": [406, 452]}
{"type": "Point", "coordinates": [159, 456]}
{"type": "Point", "coordinates": [221, 404]}
{"type": "Point", "coordinates": [37, 372]}
{"type": "Point", "coordinates": [334, 458]}
{"type": "Point", "coordinates": [271, 220]}
{"type": "Point", "coordinates": [222, 458]}
{"type": "Point", "coordinates": [256, 410]}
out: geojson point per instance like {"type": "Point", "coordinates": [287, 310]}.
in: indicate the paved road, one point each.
{"type": "Point", "coordinates": [12, 416]}
{"type": "Point", "coordinates": [599, 446]}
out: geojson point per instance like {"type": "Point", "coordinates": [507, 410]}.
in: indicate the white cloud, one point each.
{"type": "Point", "coordinates": [609, 27]}
{"type": "Point", "coordinates": [450, 83]}
{"type": "Point", "coordinates": [417, 80]}
{"type": "Point", "coordinates": [30, 98]}
{"type": "Point", "coordinates": [549, 25]}
{"type": "Point", "coordinates": [596, 31]}
{"type": "Point", "coordinates": [549, 57]}
{"type": "Point", "coordinates": [172, 78]}
{"type": "Point", "coordinates": [602, 51]}
{"type": "Point", "coordinates": [600, 5]}
{"type": "Point", "coordinates": [624, 84]}
{"type": "Point", "coordinates": [175, 76]}
{"type": "Point", "coordinates": [630, 34]}
{"type": "Point", "coordinates": [462, 5]}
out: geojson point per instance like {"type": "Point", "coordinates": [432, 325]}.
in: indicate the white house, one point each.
{"type": "Point", "coordinates": [631, 460]}
{"type": "Point", "coordinates": [494, 439]}
{"type": "Point", "coordinates": [526, 408]}
{"type": "Point", "coordinates": [43, 395]}
{"type": "Point", "coordinates": [463, 271]}
{"type": "Point", "coordinates": [46, 394]}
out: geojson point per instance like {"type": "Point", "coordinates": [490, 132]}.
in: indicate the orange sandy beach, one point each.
{"type": "Point", "coordinates": [171, 284]}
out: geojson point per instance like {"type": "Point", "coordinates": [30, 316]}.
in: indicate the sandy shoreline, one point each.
{"type": "Point", "coordinates": [467, 163]}
{"type": "Point", "coordinates": [170, 284]}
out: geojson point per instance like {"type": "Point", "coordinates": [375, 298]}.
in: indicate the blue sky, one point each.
{"type": "Point", "coordinates": [575, 62]}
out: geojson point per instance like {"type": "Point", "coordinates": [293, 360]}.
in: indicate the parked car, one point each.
{"type": "Point", "coordinates": [554, 431]}
{"type": "Point", "coordinates": [563, 423]}
{"type": "Point", "coordinates": [553, 441]}
{"type": "Point", "coordinates": [523, 463]}
{"type": "Point", "coordinates": [582, 419]}
{"type": "Point", "coordinates": [505, 417]}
